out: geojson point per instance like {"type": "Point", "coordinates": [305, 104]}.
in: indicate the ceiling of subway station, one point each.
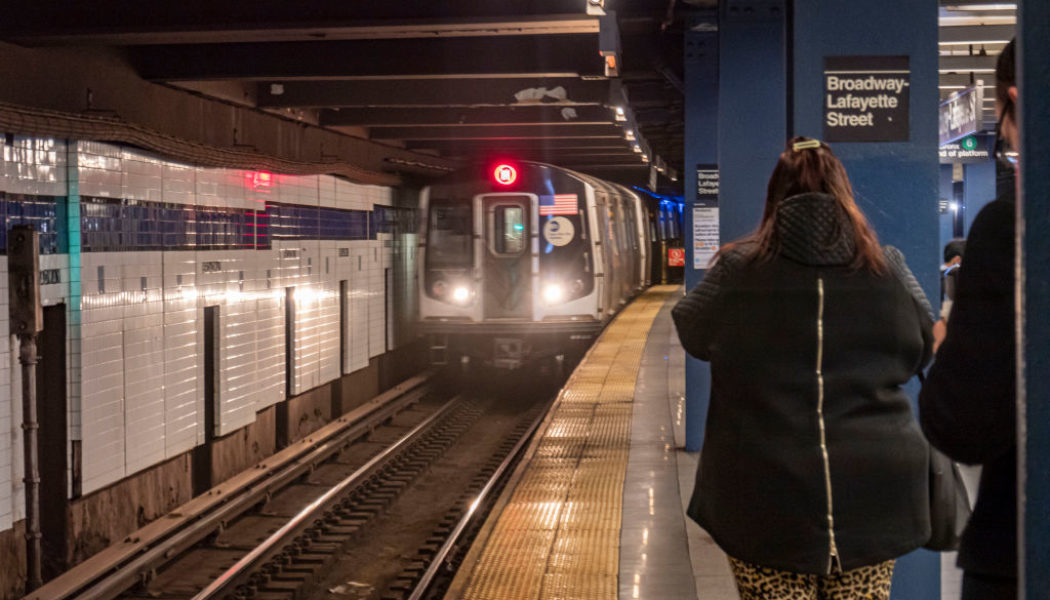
{"type": "Point", "coordinates": [972, 34]}
{"type": "Point", "coordinates": [550, 80]}
{"type": "Point", "coordinates": [461, 79]}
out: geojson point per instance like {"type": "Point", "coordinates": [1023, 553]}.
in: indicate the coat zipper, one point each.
{"type": "Point", "coordinates": [833, 552]}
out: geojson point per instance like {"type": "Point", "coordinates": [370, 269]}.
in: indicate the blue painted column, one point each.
{"type": "Point", "coordinates": [701, 139]}
{"type": "Point", "coordinates": [1034, 291]}
{"type": "Point", "coordinates": [895, 183]}
{"type": "Point", "coordinates": [980, 188]}
{"type": "Point", "coordinates": [752, 120]}
{"type": "Point", "coordinates": [735, 119]}
{"type": "Point", "coordinates": [945, 193]}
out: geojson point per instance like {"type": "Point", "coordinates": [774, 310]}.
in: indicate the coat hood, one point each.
{"type": "Point", "coordinates": [813, 229]}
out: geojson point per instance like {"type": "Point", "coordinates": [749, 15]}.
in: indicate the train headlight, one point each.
{"type": "Point", "coordinates": [460, 294]}
{"type": "Point", "coordinates": [553, 293]}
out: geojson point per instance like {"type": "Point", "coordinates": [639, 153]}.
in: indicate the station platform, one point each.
{"type": "Point", "coordinates": [596, 507]}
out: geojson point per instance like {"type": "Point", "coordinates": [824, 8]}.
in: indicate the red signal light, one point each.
{"type": "Point", "coordinates": [505, 174]}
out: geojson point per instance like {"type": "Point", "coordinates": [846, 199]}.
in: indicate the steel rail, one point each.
{"type": "Point", "coordinates": [166, 548]}
{"type": "Point", "coordinates": [440, 557]}
{"type": "Point", "coordinates": [240, 571]}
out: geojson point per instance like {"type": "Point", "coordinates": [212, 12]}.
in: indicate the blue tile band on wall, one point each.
{"type": "Point", "coordinates": [296, 222]}
{"type": "Point", "coordinates": [122, 225]}
{"type": "Point", "coordinates": [391, 219]}
{"type": "Point", "coordinates": [44, 213]}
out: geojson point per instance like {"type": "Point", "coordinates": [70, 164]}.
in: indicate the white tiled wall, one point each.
{"type": "Point", "coordinates": [329, 368]}
{"type": "Point", "coordinates": [183, 365]}
{"type": "Point", "coordinates": [359, 292]}
{"type": "Point", "coordinates": [236, 334]}
{"type": "Point", "coordinates": [27, 166]}
{"type": "Point", "coordinates": [7, 418]}
{"type": "Point", "coordinates": [143, 335]}
{"type": "Point", "coordinates": [269, 329]}
{"type": "Point", "coordinates": [136, 371]}
{"type": "Point", "coordinates": [9, 438]}
{"type": "Point", "coordinates": [102, 366]}
{"type": "Point", "coordinates": [35, 166]}
{"type": "Point", "coordinates": [376, 259]}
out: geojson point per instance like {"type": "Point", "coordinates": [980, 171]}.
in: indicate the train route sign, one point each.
{"type": "Point", "coordinates": [866, 98]}
{"type": "Point", "coordinates": [970, 149]}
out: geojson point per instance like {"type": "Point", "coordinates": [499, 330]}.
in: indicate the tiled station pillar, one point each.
{"type": "Point", "coordinates": [884, 53]}
{"type": "Point", "coordinates": [1034, 286]}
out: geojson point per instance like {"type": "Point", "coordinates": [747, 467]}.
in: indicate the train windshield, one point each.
{"type": "Point", "coordinates": [449, 237]}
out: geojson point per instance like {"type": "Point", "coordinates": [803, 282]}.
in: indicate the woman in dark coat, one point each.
{"type": "Point", "coordinates": [968, 403]}
{"type": "Point", "coordinates": [813, 473]}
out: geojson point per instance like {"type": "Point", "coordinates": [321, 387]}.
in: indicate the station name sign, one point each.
{"type": "Point", "coordinates": [960, 114]}
{"type": "Point", "coordinates": [866, 98]}
{"type": "Point", "coordinates": [707, 183]}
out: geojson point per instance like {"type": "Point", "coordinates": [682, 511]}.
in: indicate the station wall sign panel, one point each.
{"type": "Point", "coordinates": [866, 98]}
{"type": "Point", "coordinates": [706, 232]}
{"type": "Point", "coordinates": [970, 149]}
{"type": "Point", "coordinates": [960, 115]}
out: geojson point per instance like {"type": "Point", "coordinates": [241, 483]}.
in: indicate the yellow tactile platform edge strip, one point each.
{"type": "Point", "coordinates": [558, 535]}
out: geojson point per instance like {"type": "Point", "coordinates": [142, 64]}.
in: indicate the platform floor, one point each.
{"type": "Point", "coordinates": [669, 547]}
{"type": "Point", "coordinates": [596, 508]}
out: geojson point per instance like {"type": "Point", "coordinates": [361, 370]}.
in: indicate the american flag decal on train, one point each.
{"type": "Point", "coordinates": [558, 204]}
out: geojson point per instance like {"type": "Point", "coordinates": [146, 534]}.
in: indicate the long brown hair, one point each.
{"type": "Point", "coordinates": [812, 168]}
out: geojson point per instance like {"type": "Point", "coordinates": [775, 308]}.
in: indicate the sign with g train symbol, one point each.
{"type": "Point", "coordinates": [866, 98]}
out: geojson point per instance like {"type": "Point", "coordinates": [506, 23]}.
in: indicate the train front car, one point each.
{"type": "Point", "coordinates": [509, 266]}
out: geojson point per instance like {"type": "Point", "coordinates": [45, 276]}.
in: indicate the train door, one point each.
{"type": "Point", "coordinates": [506, 263]}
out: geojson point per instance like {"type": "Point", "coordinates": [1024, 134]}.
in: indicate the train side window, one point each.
{"type": "Point", "coordinates": [508, 236]}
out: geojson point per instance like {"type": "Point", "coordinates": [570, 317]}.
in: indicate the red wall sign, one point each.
{"type": "Point", "coordinates": [676, 257]}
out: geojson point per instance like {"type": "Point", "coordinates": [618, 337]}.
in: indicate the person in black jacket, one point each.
{"type": "Point", "coordinates": [813, 472]}
{"type": "Point", "coordinates": [967, 404]}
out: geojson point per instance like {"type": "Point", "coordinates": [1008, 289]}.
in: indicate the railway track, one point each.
{"type": "Point", "coordinates": [379, 507]}
{"type": "Point", "coordinates": [138, 559]}
{"type": "Point", "coordinates": [304, 542]}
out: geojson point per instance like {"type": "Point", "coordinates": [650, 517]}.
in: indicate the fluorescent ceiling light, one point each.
{"type": "Point", "coordinates": [963, 19]}
{"type": "Point", "coordinates": [974, 43]}
{"type": "Point", "coordinates": [1001, 6]}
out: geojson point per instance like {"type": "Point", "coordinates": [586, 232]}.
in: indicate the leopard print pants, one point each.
{"type": "Point", "coordinates": [761, 583]}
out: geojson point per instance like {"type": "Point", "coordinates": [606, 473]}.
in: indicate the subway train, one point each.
{"type": "Point", "coordinates": [519, 260]}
